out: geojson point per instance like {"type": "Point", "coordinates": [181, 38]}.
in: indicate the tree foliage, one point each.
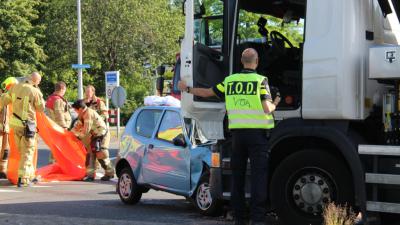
{"type": "Point", "coordinates": [20, 33]}
{"type": "Point", "coordinates": [117, 35]}
{"type": "Point", "coordinates": [248, 27]}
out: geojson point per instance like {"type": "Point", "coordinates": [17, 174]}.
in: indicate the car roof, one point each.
{"type": "Point", "coordinates": [161, 108]}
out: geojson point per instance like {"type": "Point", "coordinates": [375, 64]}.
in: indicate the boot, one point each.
{"type": "Point", "coordinates": [106, 178]}
{"type": "Point", "coordinates": [257, 223]}
{"type": "Point", "coordinates": [240, 222]}
{"type": "Point", "coordinates": [35, 180]}
{"type": "Point", "coordinates": [21, 184]}
{"type": "Point", "coordinates": [3, 175]}
{"type": "Point", "coordinates": [88, 179]}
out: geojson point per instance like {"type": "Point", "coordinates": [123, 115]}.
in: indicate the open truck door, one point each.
{"type": "Point", "coordinates": [202, 65]}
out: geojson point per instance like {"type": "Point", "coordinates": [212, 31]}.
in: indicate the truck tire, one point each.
{"type": "Point", "coordinates": [305, 182]}
{"type": "Point", "coordinates": [128, 190]}
{"type": "Point", "coordinates": [203, 200]}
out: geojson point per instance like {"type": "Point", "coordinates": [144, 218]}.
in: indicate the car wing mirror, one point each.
{"type": "Point", "coordinates": [179, 141]}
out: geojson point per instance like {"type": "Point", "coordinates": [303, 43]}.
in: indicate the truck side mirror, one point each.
{"type": "Point", "coordinates": [385, 7]}
{"type": "Point", "coordinates": [160, 85]}
{"type": "Point", "coordinates": [183, 8]}
{"type": "Point", "coordinates": [161, 70]}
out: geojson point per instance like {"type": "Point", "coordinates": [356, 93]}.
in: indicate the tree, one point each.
{"type": "Point", "coordinates": [20, 33]}
{"type": "Point", "coordinates": [117, 35]}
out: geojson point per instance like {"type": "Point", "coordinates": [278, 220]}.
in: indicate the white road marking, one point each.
{"type": "Point", "coordinates": [41, 186]}
{"type": "Point", "coordinates": [9, 191]}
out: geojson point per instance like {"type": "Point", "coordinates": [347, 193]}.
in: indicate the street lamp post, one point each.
{"type": "Point", "coordinates": [80, 82]}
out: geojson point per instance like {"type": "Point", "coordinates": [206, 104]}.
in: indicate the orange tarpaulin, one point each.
{"type": "Point", "coordinates": [67, 150]}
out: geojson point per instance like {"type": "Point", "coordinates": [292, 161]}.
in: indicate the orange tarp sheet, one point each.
{"type": "Point", "coordinates": [67, 150]}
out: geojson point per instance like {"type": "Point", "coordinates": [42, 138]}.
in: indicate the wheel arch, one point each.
{"type": "Point", "coordinates": [122, 163]}
{"type": "Point", "coordinates": [331, 137]}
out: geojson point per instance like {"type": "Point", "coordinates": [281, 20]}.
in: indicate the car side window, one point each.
{"type": "Point", "coordinates": [147, 122]}
{"type": "Point", "coordinates": [171, 126]}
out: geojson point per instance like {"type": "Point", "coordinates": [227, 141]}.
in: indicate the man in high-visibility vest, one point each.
{"type": "Point", "coordinates": [4, 127]}
{"type": "Point", "coordinates": [249, 106]}
{"type": "Point", "coordinates": [26, 99]}
{"type": "Point", "coordinates": [58, 108]}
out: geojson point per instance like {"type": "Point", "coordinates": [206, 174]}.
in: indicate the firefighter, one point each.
{"type": "Point", "coordinates": [91, 124]}
{"type": "Point", "coordinates": [4, 129]}
{"type": "Point", "coordinates": [249, 106]}
{"type": "Point", "coordinates": [58, 108]}
{"type": "Point", "coordinates": [98, 105]}
{"type": "Point", "coordinates": [26, 99]}
{"type": "Point", "coordinates": [95, 103]}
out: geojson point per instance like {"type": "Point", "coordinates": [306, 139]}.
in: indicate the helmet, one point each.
{"type": "Point", "coordinates": [8, 83]}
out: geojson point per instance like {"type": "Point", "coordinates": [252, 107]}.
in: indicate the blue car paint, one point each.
{"type": "Point", "coordinates": [192, 158]}
{"type": "Point", "coordinates": [199, 156]}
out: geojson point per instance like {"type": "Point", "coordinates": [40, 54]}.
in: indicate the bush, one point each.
{"type": "Point", "coordinates": [338, 215]}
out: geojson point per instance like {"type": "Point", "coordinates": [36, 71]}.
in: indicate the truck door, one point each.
{"type": "Point", "coordinates": [205, 62]}
{"type": "Point", "coordinates": [187, 43]}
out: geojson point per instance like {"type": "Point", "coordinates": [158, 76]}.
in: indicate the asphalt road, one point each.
{"type": "Point", "coordinates": [96, 203]}
{"type": "Point", "coordinates": [91, 203]}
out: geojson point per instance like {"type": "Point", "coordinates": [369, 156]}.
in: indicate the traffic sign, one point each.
{"type": "Point", "coordinates": [118, 97]}
{"type": "Point", "coordinates": [112, 81]}
{"type": "Point", "coordinates": [80, 66]}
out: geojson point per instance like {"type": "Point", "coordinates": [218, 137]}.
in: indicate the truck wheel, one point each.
{"type": "Point", "coordinates": [207, 204]}
{"type": "Point", "coordinates": [305, 182]}
{"type": "Point", "coordinates": [128, 190]}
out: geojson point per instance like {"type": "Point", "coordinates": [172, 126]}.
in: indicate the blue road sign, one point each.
{"type": "Point", "coordinates": [80, 66]}
{"type": "Point", "coordinates": [111, 77]}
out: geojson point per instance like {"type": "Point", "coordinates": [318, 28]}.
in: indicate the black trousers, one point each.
{"type": "Point", "coordinates": [249, 143]}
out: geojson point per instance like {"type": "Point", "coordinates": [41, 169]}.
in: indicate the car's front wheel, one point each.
{"type": "Point", "coordinates": [128, 190]}
{"type": "Point", "coordinates": [207, 204]}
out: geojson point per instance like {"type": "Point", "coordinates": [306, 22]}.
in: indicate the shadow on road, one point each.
{"type": "Point", "coordinates": [148, 211]}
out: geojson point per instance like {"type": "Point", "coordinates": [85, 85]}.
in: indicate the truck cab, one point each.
{"type": "Point", "coordinates": [318, 55]}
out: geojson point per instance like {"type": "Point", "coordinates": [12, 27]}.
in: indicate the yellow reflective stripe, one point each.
{"type": "Point", "coordinates": [251, 121]}
{"type": "Point", "coordinates": [248, 116]}
{"type": "Point", "coordinates": [246, 111]}
{"type": "Point", "coordinates": [263, 91]}
{"type": "Point", "coordinates": [221, 87]}
{"type": "Point", "coordinates": [40, 102]}
{"type": "Point", "coordinates": [25, 105]}
{"type": "Point", "coordinates": [16, 122]}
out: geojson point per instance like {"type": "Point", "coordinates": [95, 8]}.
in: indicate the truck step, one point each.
{"type": "Point", "coordinates": [378, 178]}
{"type": "Point", "coordinates": [386, 207]}
{"type": "Point", "coordinates": [226, 163]}
{"type": "Point", "coordinates": [228, 195]}
{"type": "Point", "coordinates": [379, 150]}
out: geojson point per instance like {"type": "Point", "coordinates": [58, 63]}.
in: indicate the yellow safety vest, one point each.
{"type": "Point", "coordinates": [243, 102]}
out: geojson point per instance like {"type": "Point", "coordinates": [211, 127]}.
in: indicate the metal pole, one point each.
{"type": "Point", "coordinates": [118, 128]}
{"type": "Point", "coordinates": [80, 82]}
{"type": "Point", "coordinates": [108, 108]}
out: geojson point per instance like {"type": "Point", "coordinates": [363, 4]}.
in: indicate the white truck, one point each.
{"type": "Point", "coordinates": [337, 134]}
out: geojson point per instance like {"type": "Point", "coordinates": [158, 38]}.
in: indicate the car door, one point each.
{"type": "Point", "coordinates": [145, 125]}
{"type": "Point", "coordinates": [164, 163]}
